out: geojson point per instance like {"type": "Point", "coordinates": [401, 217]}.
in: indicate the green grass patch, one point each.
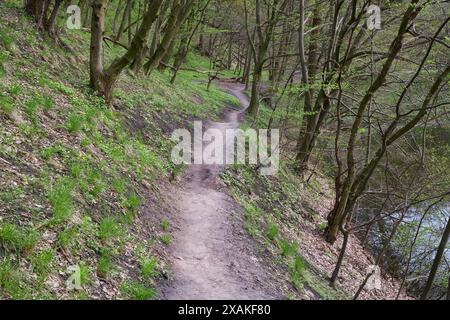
{"type": "Point", "coordinates": [105, 262]}
{"type": "Point", "coordinates": [134, 290]}
{"type": "Point", "coordinates": [11, 284]}
{"type": "Point", "coordinates": [165, 224]}
{"type": "Point", "coordinates": [109, 229]}
{"type": "Point", "coordinates": [149, 268]}
{"type": "Point", "coordinates": [42, 262]}
{"type": "Point", "coordinates": [17, 239]}
{"type": "Point", "coordinates": [60, 197]}
{"type": "Point", "coordinates": [272, 231]}
{"type": "Point", "coordinates": [166, 239]}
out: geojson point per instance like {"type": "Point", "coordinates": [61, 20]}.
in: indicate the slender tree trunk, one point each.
{"type": "Point", "coordinates": [177, 17]}
{"type": "Point", "coordinates": [436, 262]}
{"type": "Point", "coordinates": [353, 187]}
{"type": "Point", "coordinates": [116, 17]}
{"type": "Point", "coordinates": [253, 107]}
{"type": "Point", "coordinates": [124, 20]}
{"type": "Point", "coordinates": [96, 53]}
{"type": "Point", "coordinates": [337, 268]}
{"type": "Point", "coordinates": [51, 23]}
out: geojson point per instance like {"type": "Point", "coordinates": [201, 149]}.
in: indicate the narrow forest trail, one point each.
{"type": "Point", "coordinates": [213, 257]}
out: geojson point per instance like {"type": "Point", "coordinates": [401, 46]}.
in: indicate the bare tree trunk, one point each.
{"type": "Point", "coordinates": [353, 187]}
{"type": "Point", "coordinates": [259, 52]}
{"type": "Point", "coordinates": [448, 288]}
{"type": "Point", "coordinates": [436, 262]}
{"type": "Point", "coordinates": [96, 54]}
{"type": "Point", "coordinates": [337, 268]}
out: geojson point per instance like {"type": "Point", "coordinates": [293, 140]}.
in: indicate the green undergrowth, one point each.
{"type": "Point", "coordinates": [75, 173]}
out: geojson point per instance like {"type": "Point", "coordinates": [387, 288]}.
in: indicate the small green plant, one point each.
{"type": "Point", "coordinates": [298, 269]}
{"type": "Point", "coordinates": [67, 236]}
{"type": "Point", "coordinates": [134, 290]}
{"type": "Point", "coordinates": [109, 229]}
{"type": "Point", "coordinates": [29, 130]}
{"type": "Point", "coordinates": [51, 151]}
{"type": "Point", "coordinates": [272, 231]}
{"type": "Point", "coordinates": [252, 229]}
{"type": "Point", "coordinates": [132, 203]}
{"type": "Point", "coordinates": [252, 212]}
{"type": "Point", "coordinates": [85, 142]}
{"type": "Point", "coordinates": [87, 227]}
{"type": "Point", "coordinates": [166, 239]}
{"type": "Point", "coordinates": [165, 224]}
{"type": "Point", "coordinates": [31, 108]}
{"type": "Point", "coordinates": [47, 103]}
{"type": "Point", "coordinates": [288, 249]}
{"type": "Point", "coordinates": [149, 268]}
{"type": "Point", "coordinates": [18, 239]}
{"type": "Point", "coordinates": [105, 262]}
{"type": "Point", "coordinates": [323, 226]}
{"type": "Point", "coordinates": [10, 282]}
{"type": "Point", "coordinates": [6, 104]}
{"type": "Point", "coordinates": [84, 274]}
{"type": "Point", "coordinates": [74, 123]}
{"type": "Point", "coordinates": [60, 197]}
{"type": "Point", "coordinates": [120, 185]}
{"type": "Point", "coordinates": [15, 90]}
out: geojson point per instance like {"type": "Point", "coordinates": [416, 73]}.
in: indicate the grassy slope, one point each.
{"type": "Point", "coordinates": [77, 176]}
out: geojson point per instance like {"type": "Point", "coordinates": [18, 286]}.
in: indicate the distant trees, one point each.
{"type": "Point", "coordinates": [44, 12]}
{"type": "Point", "coordinates": [103, 79]}
{"type": "Point", "coordinates": [264, 33]}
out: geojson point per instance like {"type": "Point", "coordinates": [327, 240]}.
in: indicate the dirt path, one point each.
{"type": "Point", "coordinates": [214, 258]}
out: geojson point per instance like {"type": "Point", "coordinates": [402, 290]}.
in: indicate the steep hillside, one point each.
{"type": "Point", "coordinates": [79, 182]}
